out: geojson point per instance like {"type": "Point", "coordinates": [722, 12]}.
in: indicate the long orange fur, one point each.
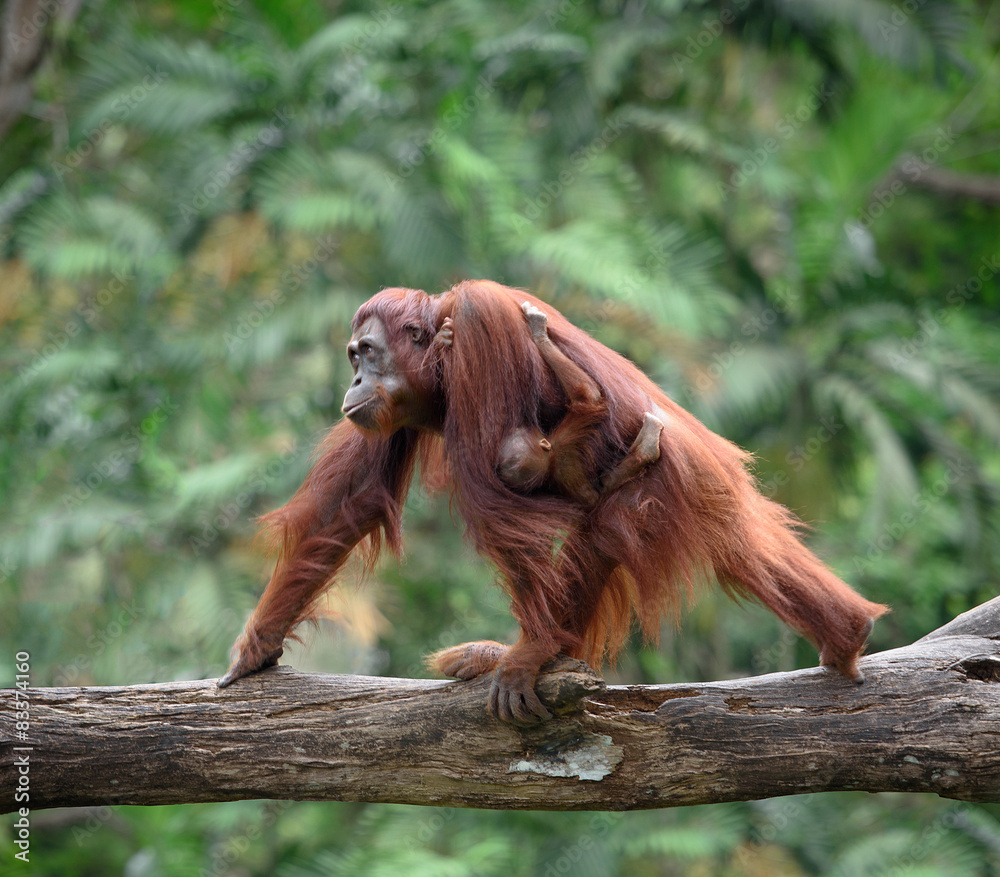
{"type": "Point", "coordinates": [694, 512]}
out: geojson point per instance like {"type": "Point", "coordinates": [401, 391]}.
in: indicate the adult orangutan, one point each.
{"type": "Point", "coordinates": [454, 396]}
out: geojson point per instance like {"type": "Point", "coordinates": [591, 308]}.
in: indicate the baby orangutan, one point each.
{"type": "Point", "coordinates": [529, 460]}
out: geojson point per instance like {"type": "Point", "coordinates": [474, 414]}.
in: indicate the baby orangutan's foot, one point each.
{"type": "Point", "coordinates": [538, 322]}
{"type": "Point", "coordinates": [445, 335]}
{"type": "Point", "coordinates": [647, 443]}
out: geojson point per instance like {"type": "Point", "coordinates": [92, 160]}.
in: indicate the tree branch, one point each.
{"type": "Point", "coordinates": [24, 42]}
{"type": "Point", "coordinates": [951, 184]}
{"type": "Point", "coordinates": [925, 721]}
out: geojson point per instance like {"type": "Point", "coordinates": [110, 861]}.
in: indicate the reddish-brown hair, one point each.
{"type": "Point", "coordinates": [576, 577]}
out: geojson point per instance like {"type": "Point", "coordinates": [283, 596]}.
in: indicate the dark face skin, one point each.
{"type": "Point", "coordinates": [378, 376]}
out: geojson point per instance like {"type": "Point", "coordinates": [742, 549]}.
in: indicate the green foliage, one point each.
{"type": "Point", "coordinates": [731, 196]}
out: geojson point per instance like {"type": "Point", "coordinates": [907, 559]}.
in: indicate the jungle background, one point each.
{"type": "Point", "coordinates": [788, 213]}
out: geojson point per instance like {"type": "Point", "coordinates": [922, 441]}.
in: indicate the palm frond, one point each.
{"type": "Point", "coordinates": [896, 475]}
{"type": "Point", "coordinates": [99, 235]}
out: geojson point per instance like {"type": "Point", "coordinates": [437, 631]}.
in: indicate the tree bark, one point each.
{"type": "Point", "coordinates": [950, 184]}
{"type": "Point", "coordinates": [24, 40]}
{"type": "Point", "coordinates": [926, 720]}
